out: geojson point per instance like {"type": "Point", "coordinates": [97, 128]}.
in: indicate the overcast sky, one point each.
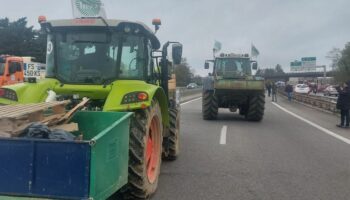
{"type": "Point", "coordinates": [282, 30]}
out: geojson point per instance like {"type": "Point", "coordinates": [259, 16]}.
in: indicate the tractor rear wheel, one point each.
{"type": "Point", "coordinates": [145, 152]}
{"type": "Point", "coordinates": [173, 147]}
{"type": "Point", "coordinates": [256, 107]}
{"type": "Point", "coordinates": [210, 105]}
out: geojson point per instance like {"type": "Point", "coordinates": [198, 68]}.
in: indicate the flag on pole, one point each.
{"type": "Point", "coordinates": [217, 46]}
{"type": "Point", "coordinates": [88, 8]}
{"type": "Point", "coordinates": [254, 51]}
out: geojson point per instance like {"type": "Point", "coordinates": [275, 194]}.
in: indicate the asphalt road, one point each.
{"type": "Point", "coordinates": [282, 157]}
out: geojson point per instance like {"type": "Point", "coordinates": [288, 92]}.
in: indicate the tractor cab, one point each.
{"type": "Point", "coordinates": [232, 66]}
{"type": "Point", "coordinates": [96, 51]}
{"type": "Point", "coordinates": [11, 70]}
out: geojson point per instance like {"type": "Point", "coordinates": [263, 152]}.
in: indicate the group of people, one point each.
{"type": "Point", "coordinates": [343, 102]}
{"type": "Point", "coordinates": [271, 88]}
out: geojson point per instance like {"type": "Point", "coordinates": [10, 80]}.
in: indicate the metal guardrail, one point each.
{"type": "Point", "coordinates": [187, 92]}
{"type": "Point", "coordinates": [321, 102]}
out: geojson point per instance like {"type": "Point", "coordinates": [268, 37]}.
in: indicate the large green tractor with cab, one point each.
{"type": "Point", "coordinates": [117, 65]}
{"type": "Point", "coordinates": [232, 85]}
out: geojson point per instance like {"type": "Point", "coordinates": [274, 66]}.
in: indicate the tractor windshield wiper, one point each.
{"type": "Point", "coordinates": [108, 81]}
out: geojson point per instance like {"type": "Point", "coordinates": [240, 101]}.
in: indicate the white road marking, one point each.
{"type": "Point", "coordinates": [314, 125]}
{"type": "Point", "coordinates": [190, 101]}
{"type": "Point", "coordinates": [223, 135]}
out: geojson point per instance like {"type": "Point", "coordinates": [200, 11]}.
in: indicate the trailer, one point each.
{"type": "Point", "coordinates": [93, 168]}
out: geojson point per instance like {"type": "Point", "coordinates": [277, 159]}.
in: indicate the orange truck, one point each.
{"type": "Point", "coordinates": [11, 70]}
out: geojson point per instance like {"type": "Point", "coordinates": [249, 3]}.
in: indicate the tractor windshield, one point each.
{"type": "Point", "coordinates": [95, 57]}
{"type": "Point", "coordinates": [232, 67]}
{"type": "Point", "coordinates": [2, 68]}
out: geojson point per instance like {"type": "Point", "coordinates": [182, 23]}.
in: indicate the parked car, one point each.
{"type": "Point", "coordinates": [280, 84]}
{"type": "Point", "coordinates": [321, 88]}
{"type": "Point", "coordinates": [330, 91]}
{"type": "Point", "coordinates": [192, 86]}
{"type": "Point", "coordinates": [302, 89]}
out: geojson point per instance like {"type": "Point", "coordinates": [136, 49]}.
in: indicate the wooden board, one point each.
{"type": "Point", "coordinates": [15, 118]}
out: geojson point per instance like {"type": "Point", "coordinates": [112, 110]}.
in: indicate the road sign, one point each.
{"type": "Point", "coordinates": [295, 66]}
{"type": "Point", "coordinates": [309, 64]}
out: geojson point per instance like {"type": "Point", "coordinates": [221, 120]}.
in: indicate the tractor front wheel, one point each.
{"type": "Point", "coordinates": [173, 142]}
{"type": "Point", "coordinates": [210, 105]}
{"type": "Point", "coordinates": [145, 152]}
{"type": "Point", "coordinates": [255, 111]}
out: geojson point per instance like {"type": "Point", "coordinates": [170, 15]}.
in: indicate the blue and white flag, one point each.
{"type": "Point", "coordinates": [217, 46]}
{"type": "Point", "coordinates": [88, 8]}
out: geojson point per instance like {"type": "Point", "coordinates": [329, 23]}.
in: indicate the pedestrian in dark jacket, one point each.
{"type": "Point", "coordinates": [268, 87]}
{"type": "Point", "coordinates": [343, 104]}
{"type": "Point", "coordinates": [274, 92]}
{"type": "Point", "coordinates": [289, 91]}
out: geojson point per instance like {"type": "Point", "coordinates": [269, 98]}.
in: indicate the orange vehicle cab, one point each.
{"type": "Point", "coordinates": [11, 70]}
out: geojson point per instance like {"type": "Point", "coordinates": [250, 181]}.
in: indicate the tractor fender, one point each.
{"type": "Point", "coordinates": [30, 92]}
{"type": "Point", "coordinates": [208, 83]}
{"type": "Point", "coordinates": [123, 87]}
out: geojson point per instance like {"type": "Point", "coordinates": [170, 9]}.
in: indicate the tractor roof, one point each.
{"type": "Point", "coordinates": [112, 23]}
{"type": "Point", "coordinates": [233, 55]}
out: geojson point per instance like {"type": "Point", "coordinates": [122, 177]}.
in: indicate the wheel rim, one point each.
{"type": "Point", "coordinates": [153, 150]}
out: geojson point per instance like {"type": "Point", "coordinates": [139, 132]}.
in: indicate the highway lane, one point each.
{"type": "Point", "coordinates": [281, 157]}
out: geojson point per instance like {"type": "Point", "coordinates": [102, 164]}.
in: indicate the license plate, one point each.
{"type": "Point", "coordinates": [32, 71]}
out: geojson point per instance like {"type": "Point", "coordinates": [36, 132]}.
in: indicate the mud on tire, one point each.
{"type": "Point", "coordinates": [172, 145]}
{"type": "Point", "coordinates": [256, 107]}
{"type": "Point", "coordinates": [210, 105]}
{"type": "Point", "coordinates": [144, 124]}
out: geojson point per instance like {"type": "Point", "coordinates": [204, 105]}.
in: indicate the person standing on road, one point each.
{"type": "Point", "coordinates": [274, 92]}
{"type": "Point", "coordinates": [268, 87]}
{"type": "Point", "coordinates": [289, 91]}
{"type": "Point", "coordinates": [343, 103]}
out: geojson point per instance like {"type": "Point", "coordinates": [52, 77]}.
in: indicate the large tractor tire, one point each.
{"type": "Point", "coordinates": [210, 105]}
{"type": "Point", "coordinates": [145, 152]}
{"type": "Point", "coordinates": [256, 107]}
{"type": "Point", "coordinates": [173, 142]}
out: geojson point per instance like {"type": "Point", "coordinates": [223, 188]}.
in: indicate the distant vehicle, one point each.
{"type": "Point", "coordinates": [11, 70]}
{"type": "Point", "coordinates": [280, 84]}
{"type": "Point", "coordinates": [321, 88]}
{"type": "Point", "coordinates": [302, 89]}
{"type": "Point", "coordinates": [330, 91]}
{"type": "Point", "coordinates": [192, 86]}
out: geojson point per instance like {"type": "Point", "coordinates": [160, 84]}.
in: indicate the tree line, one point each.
{"type": "Point", "coordinates": [185, 75]}
{"type": "Point", "coordinates": [341, 62]}
{"type": "Point", "coordinates": [277, 70]}
{"type": "Point", "coordinates": [19, 39]}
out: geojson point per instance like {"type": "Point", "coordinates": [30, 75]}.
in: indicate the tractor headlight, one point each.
{"type": "Point", "coordinates": [135, 97]}
{"type": "Point", "coordinates": [8, 94]}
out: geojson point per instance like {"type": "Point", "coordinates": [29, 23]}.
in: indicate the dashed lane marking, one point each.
{"type": "Point", "coordinates": [190, 101]}
{"type": "Point", "coordinates": [347, 141]}
{"type": "Point", "coordinates": [223, 135]}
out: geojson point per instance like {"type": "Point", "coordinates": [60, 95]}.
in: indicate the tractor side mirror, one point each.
{"type": "Point", "coordinates": [255, 65]}
{"type": "Point", "coordinates": [206, 65]}
{"type": "Point", "coordinates": [177, 53]}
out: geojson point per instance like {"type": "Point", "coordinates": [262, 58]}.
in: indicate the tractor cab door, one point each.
{"type": "Point", "coordinates": [14, 72]}
{"type": "Point", "coordinates": [2, 73]}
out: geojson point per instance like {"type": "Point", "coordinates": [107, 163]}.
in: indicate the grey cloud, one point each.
{"type": "Point", "coordinates": [281, 30]}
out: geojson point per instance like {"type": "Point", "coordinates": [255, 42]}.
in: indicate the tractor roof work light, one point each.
{"type": "Point", "coordinates": [156, 22]}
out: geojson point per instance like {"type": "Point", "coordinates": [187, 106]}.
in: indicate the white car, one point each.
{"type": "Point", "coordinates": [302, 89]}
{"type": "Point", "coordinates": [330, 90]}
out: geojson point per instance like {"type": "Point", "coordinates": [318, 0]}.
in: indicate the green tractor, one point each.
{"type": "Point", "coordinates": [231, 85]}
{"type": "Point", "coordinates": [117, 65]}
